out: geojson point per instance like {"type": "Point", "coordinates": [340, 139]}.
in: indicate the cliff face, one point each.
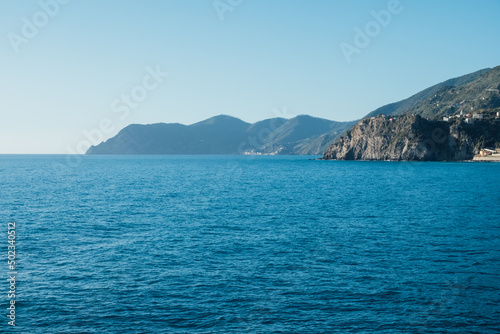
{"type": "Point", "coordinates": [410, 137]}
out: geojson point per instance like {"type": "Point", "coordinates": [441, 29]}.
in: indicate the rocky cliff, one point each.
{"type": "Point", "coordinates": [411, 137]}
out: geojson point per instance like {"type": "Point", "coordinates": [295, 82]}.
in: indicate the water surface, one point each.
{"type": "Point", "coordinates": [238, 244]}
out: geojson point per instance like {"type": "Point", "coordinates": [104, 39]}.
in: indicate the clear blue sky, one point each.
{"type": "Point", "coordinates": [267, 58]}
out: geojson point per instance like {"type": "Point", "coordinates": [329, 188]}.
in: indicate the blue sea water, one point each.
{"type": "Point", "coordinates": [239, 244]}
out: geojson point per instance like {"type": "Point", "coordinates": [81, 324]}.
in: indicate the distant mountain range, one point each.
{"type": "Point", "coordinates": [227, 135]}
{"type": "Point", "coordinates": [303, 134]}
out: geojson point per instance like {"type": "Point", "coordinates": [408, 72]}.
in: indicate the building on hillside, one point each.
{"type": "Point", "coordinates": [483, 153]}
{"type": "Point", "coordinates": [489, 151]}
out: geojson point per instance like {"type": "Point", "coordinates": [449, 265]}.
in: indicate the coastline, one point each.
{"type": "Point", "coordinates": [486, 159]}
{"type": "Point", "coordinates": [475, 159]}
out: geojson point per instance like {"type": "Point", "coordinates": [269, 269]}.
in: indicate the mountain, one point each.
{"type": "Point", "coordinates": [478, 91]}
{"type": "Point", "coordinates": [411, 137]}
{"type": "Point", "coordinates": [414, 132]}
{"type": "Point", "coordinates": [404, 106]}
{"type": "Point", "coordinates": [304, 135]}
{"type": "Point", "coordinates": [226, 135]}
{"type": "Point", "coordinates": [483, 93]}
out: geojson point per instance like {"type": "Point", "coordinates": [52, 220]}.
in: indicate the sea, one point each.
{"type": "Point", "coordinates": [248, 244]}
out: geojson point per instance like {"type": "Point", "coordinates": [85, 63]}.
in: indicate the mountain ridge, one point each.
{"type": "Point", "coordinates": [223, 134]}
{"type": "Point", "coordinates": [466, 117]}
{"type": "Point", "coordinates": [303, 134]}
{"type": "Point", "coordinates": [403, 106]}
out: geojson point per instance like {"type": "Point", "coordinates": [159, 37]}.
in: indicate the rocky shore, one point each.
{"type": "Point", "coordinates": [413, 138]}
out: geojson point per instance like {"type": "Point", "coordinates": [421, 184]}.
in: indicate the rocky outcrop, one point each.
{"type": "Point", "coordinates": [411, 137]}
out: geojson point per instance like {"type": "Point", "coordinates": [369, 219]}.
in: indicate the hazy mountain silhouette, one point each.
{"type": "Point", "coordinates": [302, 134]}
{"type": "Point", "coordinates": [225, 135]}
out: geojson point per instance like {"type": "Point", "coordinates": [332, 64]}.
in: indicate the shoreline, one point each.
{"type": "Point", "coordinates": [486, 159]}
{"type": "Point", "coordinates": [475, 159]}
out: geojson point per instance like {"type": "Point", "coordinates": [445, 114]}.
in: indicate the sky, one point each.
{"type": "Point", "coordinates": [76, 71]}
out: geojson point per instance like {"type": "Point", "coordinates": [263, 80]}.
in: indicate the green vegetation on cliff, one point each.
{"type": "Point", "coordinates": [414, 130]}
